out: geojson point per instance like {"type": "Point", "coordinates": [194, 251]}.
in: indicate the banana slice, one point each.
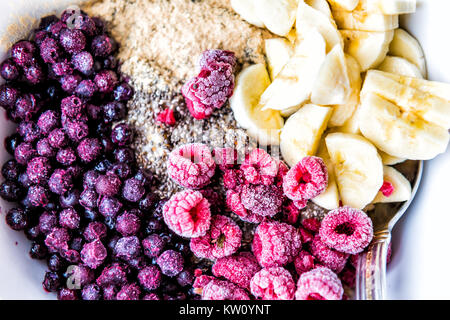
{"type": "Point", "coordinates": [364, 21]}
{"type": "Point", "coordinates": [293, 84]}
{"type": "Point", "coordinates": [388, 7]}
{"type": "Point", "coordinates": [302, 131]}
{"type": "Point", "coordinates": [262, 125]}
{"type": "Point", "coordinates": [402, 187]}
{"type": "Point", "coordinates": [278, 53]}
{"type": "Point", "coordinates": [343, 112]}
{"type": "Point", "coordinates": [278, 15]}
{"type": "Point", "coordinates": [431, 108]}
{"type": "Point", "coordinates": [403, 135]}
{"type": "Point", "coordinates": [347, 5]}
{"type": "Point", "coordinates": [368, 48]}
{"type": "Point", "coordinates": [322, 6]}
{"type": "Point", "coordinates": [247, 10]}
{"type": "Point", "coordinates": [358, 168]}
{"type": "Point", "coordinates": [352, 124]}
{"type": "Point", "coordinates": [400, 66]}
{"type": "Point", "coordinates": [329, 199]}
{"type": "Point", "coordinates": [406, 46]}
{"type": "Point", "coordinates": [332, 85]}
{"type": "Point", "coordinates": [389, 160]}
{"type": "Point", "coordinates": [309, 19]}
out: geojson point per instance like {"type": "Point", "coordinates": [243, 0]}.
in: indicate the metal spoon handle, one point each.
{"type": "Point", "coordinates": [371, 269]}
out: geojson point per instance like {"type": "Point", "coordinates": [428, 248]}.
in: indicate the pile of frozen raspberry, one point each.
{"type": "Point", "coordinates": [290, 258]}
{"type": "Point", "coordinates": [80, 196]}
{"type": "Point", "coordinates": [213, 85]}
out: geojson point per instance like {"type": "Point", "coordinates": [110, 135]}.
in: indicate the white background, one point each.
{"type": "Point", "coordinates": [421, 241]}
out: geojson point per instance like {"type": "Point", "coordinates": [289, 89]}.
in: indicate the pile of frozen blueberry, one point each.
{"type": "Point", "coordinates": [80, 196]}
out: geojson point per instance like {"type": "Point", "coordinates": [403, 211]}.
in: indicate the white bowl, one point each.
{"type": "Point", "coordinates": [420, 244]}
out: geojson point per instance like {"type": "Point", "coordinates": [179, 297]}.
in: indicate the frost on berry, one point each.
{"type": "Point", "coordinates": [191, 165]}
{"type": "Point", "coordinates": [275, 244]}
{"type": "Point", "coordinates": [319, 284]}
{"type": "Point", "coordinates": [209, 90]}
{"type": "Point", "coordinates": [306, 179]}
{"type": "Point", "coordinates": [262, 200]}
{"type": "Point", "coordinates": [187, 213]}
{"type": "Point", "coordinates": [238, 268]}
{"type": "Point", "coordinates": [234, 203]}
{"type": "Point", "coordinates": [217, 55]}
{"type": "Point", "coordinates": [222, 239]}
{"type": "Point", "coordinates": [387, 189]}
{"type": "Point", "coordinates": [327, 256]}
{"type": "Point", "coordinates": [223, 290]}
{"type": "Point", "coordinates": [259, 167]}
{"type": "Point", "coordinates": [273, 283]}
{"type": "Point", "coordinates": [346, 230]}
{"type": "Point", "coordinates": [304, 262]}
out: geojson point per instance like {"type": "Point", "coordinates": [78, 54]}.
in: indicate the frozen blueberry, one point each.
{"type": "Point", "coordinates": [102, 45]}
{"type": "Point", "coordinates": [185, 278]}
{"type": "Point", "coordinates": [83, 62]}
{"type": "Point", "coordinates": [67, 294]}
{"type": "Point", "coordinates": [11, 191]}
{"type": "Point", "coordinates": [128, 224]}
{"type": "Point", "coordinates": [48, 121]}
{"type": "Point", "coordinates": [66, 156]}
{"type": "Point", "coordinates": [34, 73]}
{"type": "Point", "coordinates": [87, 89]}
{"type": "Point", "coordinates": [49, 49]}
{"type": "Point", "coordinates": [133, 190]}
{"type": "Point", "coordinates": [88, 198]}
{"type": "Point", "coordinates": [12, 142]}
{"type": "Point", "coordinates": [76, 130]}
{"type": "Point", "coordinates": [38, 250]}
{"type": "Point", "coordinates": [25, 107]}
{"type": "Point", "coordinates": [108, 184]}
{"type": "Point", "coordinates": [52, 281]}
{"type": "Point", "coordinates": [70, 82]}
{"type": "Point", "coordinates": [109, 206]}
{"type": "Point", "coordinates": [129, 292]}
{"type": "Point", "coordinates": [93, 254]}
{"type": "Point", "coordinates": [38, 170]}
{"type": "Point", "coordinates": [47, 221]}
{"type": "Point", "coordinates": [95, 230]}
{"type": "Point", "coordinates": [105, 80]}
{"type": "Point", "coordinates": [127, 248]}
{"type": "Point", "coordinates": [11, 170]}
{"type": "Point", "coordinates": [122, 134]}
{"type": "Point", "coordinates": [145, 176]}
{"type": "Point", "coordinates": [56, 263]}
{"type": "Point", "coordinates": [170, 262]}
{"type": "Point", "coordinates": [90, 179]}
{"type": "Point", "coordinates": [69, 218]}
{"type": "Point", "coordinates": [114, 111]}
{"type": "Point", "coordinates": [62, 68]}
{"type": "Point", "coordinates": [122, 170]}
{"type": "Point", "coordinates": [9, 70]}
{"type": "Point", "coordinates": [150, 278]}
{"type": "Point", "coordinates": [125, 155]}
{"type": "Point", "coordinates": [17, 219]}
{"type": "Point", "coordinates": [29, 131]}
{"type": "Point", "coordinates": [22, 52]}
{"type": "Point", "coordinates": [60, 181]}
{"type": "Point", "coordinates": [123, 92]}
{"type": "Point", "coordinates": [153, 225]}
{"type": "Point", "coordinates": [57, 240]}
{"type": "Point", "coordinates": [44, 148]}
{"type": "Point", "coordinates": [89, 149]}
{"type": "Point", "coordinates": [72, 106]}
{"type": "Point", "coordinates": [115, 274]}
{"type": "Point", "coordinates": [57, 138]}
{"type": "Point", "coordinates": [79, 276]}
{"type": "Point", "coordinates": [70, 198]}
{"type": "Point", "coordinates": [8, 96]}
{"type": "Point", "coordinates": [72, 40]}
{"type": "Point", "coordinates": [153, 245]}
{"type": "Point", "coordinates": [91, 292]}
{"type": "Point", "coordinates": [84, 23]}
{"type": "Point", "coordinates": [24, 152]}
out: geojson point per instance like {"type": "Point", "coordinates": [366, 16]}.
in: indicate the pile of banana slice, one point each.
{"type": "Point", "coordinates": [343, 82]}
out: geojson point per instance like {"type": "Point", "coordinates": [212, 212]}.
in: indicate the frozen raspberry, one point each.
{"type": "Point", "coordinates": [259, 167]}
{"type": "Point", "coordinates": [328, 257]}
{"type": "Point", "coordinates": [275, 244]}
{"type": "Point", "coordinates": [346, 230]}
{"type": "Point", "coordinates": [306, 179]}
{"type": "Point", "coordinates": [201, 280]}
{"type": "Point", "coordinates": [60, 181]}
{"type": "Point", "coordinates": [167, 117]}
{"type": "Point", "coordinates": [319, 284]}
{"type": "Point", "coordinates": [233, 179]}
{"type": "Point", "coordinates": [209, 90]}
{"type": "Point", "coordinates": [273, 283]}
{"type": "Point", "coordinates": [262, 200]}
{"type": "Point", "coordinates": [187, 213]}
{"type": "Point", "coordinates": [305, 235]}
{"type": "Point", "coordinates": [238, 268]}
{"type": "Point", "coordinates": [304, 262]}
{"type": "Point", "coordinates": [191, 165]}
{"type": "Point", "coordinates": [387, 189]}
{"type": "Point", "coordinates": [93, 254]}
{"type": "Point", "coordinates": [311, 224]}
{"type": "Point", "coordinates": [216, 55]}
{"type": "Point", "coordinates": [234, 203]}
{"type": "Point", "coordinates": [129, 292]}
{"type": "Point", "coordinates": [170, 262]}
{"type": "Point", "coordinates": [225, 158]}
{"type": "Point", "coordinates": [38, 170]}
{"type": "Point", "coordinates": [222, 239]}
{"type": "Point", "coordinates": [223, 290]}
{"type": "Point", "coordinates": [290, 213]}
{"type": "Point", "coordinates": [150, 278]}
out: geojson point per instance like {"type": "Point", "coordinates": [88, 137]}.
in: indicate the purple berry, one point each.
{"type": "Point", "coordinates": [56, 263]}
{"type": "Point", "coordinates": [38, 196]}
{"type": "Point", "coordinates": [70, 82]}
{"type": "Point", "coordinates": [38, 250]}
{"type": "Point", "coordinates": [69, 218]}
{"type": "Point", "coordinates": [44, 148]}
{"type": "Point", "coordinates": [122, 134]}
{"type": "Point", "coordinates": [108, 184]}
{"type": "Point", "coordinates": [8, 96]}
{"type": "Point", "coordinates": [115, 275]}
{"type": "Point", "coordinates": [133, 190]}
{"type": "Point", "coordinates": [170, 262]}
{"type": "Point", "coordinates": [90, 179]}
{"type": "Point", "coordinates": [57, 138]}
{"type": "Point", "coordinates": [50, 51]}
{"type": "Point", "coordinates": [114, 111]}
{"type": "Point", "coordinates": [123, 92]}
{"type": "Point", "coordinates": [9, 70]}
{"type": "Point", "coordinates": [22, 52]}
{"type": "Point", "coordinates": [86, 89]}
{"type": "Point", "coordinates": [153, 245]}
{"type": "Point", "coordinates": [83, 62]}
{"type": "Point", "coordinates": [79, 276]}
{"type": "Point", "coordinates": [76, 130]}
{"type": "Point", "coordinates": [102, 45]}
{"type": "Point", "coordinates": [34, 73]}
{"type": "Point", "coordinates": [47, 221]}
{"type": "Point", "coordinates": [62, 68]}
{"type": "Point", "coordinates": [125, 155]}
{"type": "Point", "coordinates": [185, 278]}
{"type": "Point", "coordinates": [67, 294]}
{"type": "Point", "coordinates": [38, 170]}
{"type": "Point", "coordinates": [122, 170]}
{"type": "Point", "coordinates": [17, 219]}
{"type": "Point", "coordinates": [66, 156]}
{"type": "Point", "coordinates": [57, 240]}
{"type": "Point", "coordinates": [12, 142]}
{"type": "Point", "coordinates": [72, 106]}
{"type": "Point", "coordinates": [129, 292]}
{"type": "Point", "coordinates": [109, 206]}
{"type": "Point", "coordinates": [106, 80]}
{"type": "Point", "coordinates": [89, 149]}
{"type": "Point", "coordinates": [128, 224]}
{"type": "Point", "coordinates": [94, 230]}
{"type": "Point", "coordinates": [60, 181]}
{"type": "Point", "coordinates": [127, 248]}
{"type": "Point", "coordinates": [88, 198]}
{"type": "Point", "coordinates": [11, 170]}
{"type": "Point", "coordinates": [150, 278]}
{"type": "Point", "coordinates": [91, 292]}
{"type": "Point", "coordinates": [25, 107]}
{"type": "Point", "coordinates": [93, 254]}
{"type": "Point", "coordinates": [52, 282]}
{"type": "Point", "coordinates": [48, 121]}
{"type": "Point", "coordinates": [72, 40]}
{"type": "Point", "coordinates": [70, 198]}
